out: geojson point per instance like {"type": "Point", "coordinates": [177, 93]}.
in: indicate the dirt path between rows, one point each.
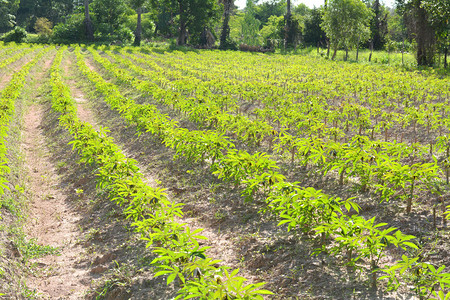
{"type": "Point", "coordinates": [4, 80]}
{"type": "Point", "coordinates": [7, 73]}
{"type": "Point", "coordinates": [83, 111]}
{"type": "Point", "coordinates": [52, 220]}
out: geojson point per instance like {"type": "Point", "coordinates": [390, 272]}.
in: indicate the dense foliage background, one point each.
{"type": "Point", "coordinates": [419, 26]}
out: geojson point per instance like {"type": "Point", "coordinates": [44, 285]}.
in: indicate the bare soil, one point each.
{"type": "Point", "coordinates": [52, 219]}
{"type": "Point", "coordinates": [83, 111]}
{"type": "Point", "coordinates": [13, 204]}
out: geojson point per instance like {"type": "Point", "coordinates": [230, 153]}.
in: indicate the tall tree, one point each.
{"type": "Point", "coordinates": [346, 23]}
{"type": "Point", "coordinates": [164, 15]}
{"type": "Point", "coordinates": [182, 31]}
{"type": "Point", "coordinates": [266, 9]}
{"type": "Point", "coordinates": [194, 17]}
{"type": "Point", "coordinates": [89, 27]}
{"type": "Point", "coordinates": [54, 10]}
{"type": "Point", "coordinates": [138, 5]}
{"type": "Point", "coordinates": [378, 26]}
{"type": "Point", "coordinates": [327, 39]}
{"type": "Point", "coordinates": [439, 11]}
{"type": "Point", "coordinates": [289, 35]}
{"type": "Point", "coordinates": [418, 21]}
{"type": "Point", "coordinates": [313, 33]}
{"type": "Point", "coordinates": [8, 9]}
{"type": "Point", "coordinates": [109, 15]}
{"type": "Point", "coordinates": [302, 10]}
{"type": "Point", "coordinates": [250, 25]}
{"type": "Point", "coordinates": [225, 34]}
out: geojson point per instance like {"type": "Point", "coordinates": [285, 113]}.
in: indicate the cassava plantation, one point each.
{"type": "Point", "coordinates": [149, 173]}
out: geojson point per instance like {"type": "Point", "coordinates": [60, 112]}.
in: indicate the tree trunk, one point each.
{"type": "Point", "coordinates": [371, 50]}
{"type": "Point", "coordinates": [288, 36]}
{"type": "Point", "coordinates": [325, 6]}
{"type": "Point", "coordinates": [445, 57]}
{"type": "Point", "coordinates": [87, 22]}
{"type": "Point", "coordinates": [334, 53]}
{"type": "Point", "coordinates": [224, 36]}
{"type": "Point", "coordinates": [357, 48]}
{"type": "Point", "coordinates": [346, 53]}
{"type": "Point", "coordinates": [138, 33]}
{"type": "Point", "coordinates": [410, 198]}
{"type": "Point", "coordinates": [403, 51]}
{"type": "Point", "coordinates": [182, 34]}
{"type": "Point", "coordinates": [424, 37]}
{"type": "Point", "coordinates": [288, 7]}
{"type": "Point", "coordinates": [328, 47]}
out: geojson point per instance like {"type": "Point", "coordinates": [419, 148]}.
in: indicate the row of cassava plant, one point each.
{"type": "Point", "coordinates": [201, 108]}
{"type": "Point", "coordinates": [304, 209]}
{"type": "Point", "coordinates": [427, 272]}
{"type": "Point", "coordinates": [416, 173]}
{"type": "Point", "coordinates": [226, 161]}
{"type": "Point", "coordinates": [180, 257]}
{"type": "Point", "coordinates": [350, 159]}
{"type": "Point", "coordinates": [360, 244]}
{"type": "Point", "coordinates": [21, 53]}
{"type": "Point", "coordinates": [372, 105]}
{"type": "Point", "coordinates": [387, 171]}
{"type": "Point", "coordinates": [380, 165]}
{"type": "Point", "coordinates": [431, 114]}
{"type": "Point", "coordinates": [8, 97]}
{"type": "Point", "coordinates": [305, 74]}
{"type": "Point", "coordinates": [287, 111]}
{"type": "Point", "coordinates": [313, 126]}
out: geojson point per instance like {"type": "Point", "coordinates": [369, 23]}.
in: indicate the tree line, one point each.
{"type": "Point", "coordinates": [422, 25]}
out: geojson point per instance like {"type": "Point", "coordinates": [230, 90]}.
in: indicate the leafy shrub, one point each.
{"type": "Point", "coordinates": [104, 33]}
{"type": "Point", "coordinates": [399, 46]}
{"type": "Point", "coordinates": [125, 34]}
{"type": "Point", "coordinates": [72, 30]}
{"type": "Point", "coordinates": [38, 39]}
{"type": "Point", "coordinates": [148, 27]}
{"type": "Point", "coordinates": [43, 26]}
{"type": "Point", "coordinates": [18, 35]}
{"type": "Point", "coordinates": [229, 45]}
{"type": "Point", "coordinates": [249, 48]}
{"type": "Point", "coordinates": [273, 32]}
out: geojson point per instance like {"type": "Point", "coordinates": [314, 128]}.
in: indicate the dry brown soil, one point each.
{"type": "Point", "coordinates": [52, 219]}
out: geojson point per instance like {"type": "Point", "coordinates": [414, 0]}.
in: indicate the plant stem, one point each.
{"type": "Point", "coordinates": [408, 207]}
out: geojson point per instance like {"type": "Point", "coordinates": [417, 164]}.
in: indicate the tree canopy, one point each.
{"type": "Point", "coordinates": [8, 9]}
{"type": "Point", "coordinates": [337, 24]}
{"type": "Point", "coordinates": [346, 23]}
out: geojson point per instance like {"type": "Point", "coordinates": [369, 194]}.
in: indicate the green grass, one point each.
{"type": "Point", "coordinates": [392, 59]}
{"type": "Point", "coordinates": [378, 57]}
{"type": "Point", "coordinates": [30, 249]}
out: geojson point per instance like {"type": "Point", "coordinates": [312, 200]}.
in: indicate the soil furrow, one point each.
{"type": "Point", "coordinates": [83, 111]}
{"type": "Point", "coordinates": [52, 220]}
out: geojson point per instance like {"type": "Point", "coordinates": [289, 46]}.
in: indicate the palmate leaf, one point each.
{"type": "Point", "coordinates": [161, 273]}
{"type": "Point", "coordinates": [410, 245]}
{"type": "Point", "coordinates": [3, 186]}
